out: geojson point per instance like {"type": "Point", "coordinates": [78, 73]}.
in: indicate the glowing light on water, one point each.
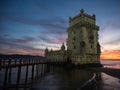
{"type": "Point", "coordinates": [112, 67]}
{"type": "Point", "coordinates": [111, 64]}
{"type": "Point", "coordinates": [109, 82]}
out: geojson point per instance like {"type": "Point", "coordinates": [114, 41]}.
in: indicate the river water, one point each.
{"type": "Point", "coordinates": [111, 64]}
{"type": "Point", "coordinates": [66, 79]}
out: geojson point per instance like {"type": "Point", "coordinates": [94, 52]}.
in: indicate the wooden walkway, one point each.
{"type": "Point", "coordinates": [38, 68]}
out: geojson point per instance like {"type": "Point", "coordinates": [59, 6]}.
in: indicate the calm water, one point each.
{"type": "Point", "coordinates": [111, 64]}
{"type": "Point", "coordinates": [64, 79]}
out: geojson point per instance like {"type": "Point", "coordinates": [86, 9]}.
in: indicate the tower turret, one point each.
{"type": "Point", "coordinates": [46, 50]}
{"type": "Point", "coordinates": [63, 47]}
{"type": "Point", "coordinates": [82, 11]}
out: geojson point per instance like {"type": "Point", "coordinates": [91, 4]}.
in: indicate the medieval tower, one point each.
{"type": "Point", "coordinates": [82, 42]}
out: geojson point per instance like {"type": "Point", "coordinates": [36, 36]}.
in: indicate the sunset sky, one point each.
{"type": "Point", "coordinates": [29, 26]}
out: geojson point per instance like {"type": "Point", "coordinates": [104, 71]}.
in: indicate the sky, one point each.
{"type": "Point", "coordinates": [29, 26]}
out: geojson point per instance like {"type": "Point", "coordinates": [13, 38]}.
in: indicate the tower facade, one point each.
{"type": "Point", "coordinates": [83, 38]}
{"type": "Point", "coordinates": [82, 42]}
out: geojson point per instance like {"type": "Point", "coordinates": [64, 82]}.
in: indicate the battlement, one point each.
{"type": "Point", "coordinates": [82, 18]}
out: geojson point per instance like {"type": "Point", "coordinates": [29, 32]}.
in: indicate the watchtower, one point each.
{"type": "Point", "coordinates": [83, 36]}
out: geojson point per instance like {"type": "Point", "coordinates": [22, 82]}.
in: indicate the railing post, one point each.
{"type": "Point", "coordinates": [4, 61]}
{"type": "Point", "coordinates": [33, 61]}
{"type": "Point", "coordinates": [41, 69]}
{"type": "Point", "coordinates": [18, 75]}
{"type": "Point", "coordinates": [26, 76]}
{"type": "Point", "coordinates": [37, 61]}
{"type": "Point", "coordinates": [37, 68]}
{"type": "Point", "coordinates": [29, 61]}
{"type": "Point", "coordinates": [15, 61]}
{"type": "Point", "coordinates": [9, 62]}
{"type": "Point", "coordinates": [20, 61]}
{"type": "Point", "coordinates": [32, 77]}
{"type": "Point", "coordinates": [0, 62]}
{"type": "Point", "coordinates": [6, 77]}
{"type": "Point", "coordinates": [10, 70]}
{"type": "Point", "coordinates": [47, 67]}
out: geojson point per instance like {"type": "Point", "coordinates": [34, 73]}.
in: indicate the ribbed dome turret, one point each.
{"type": "Point", "coordinates": [63, 47]}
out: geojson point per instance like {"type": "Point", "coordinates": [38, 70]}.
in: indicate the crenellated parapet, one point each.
{"type": "Point", "coordinates": [83, 18]}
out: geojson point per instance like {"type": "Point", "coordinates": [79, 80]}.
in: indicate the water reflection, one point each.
{"type": "Point", "coordinates": [64, 80]}
{"type": "Point", "coordinates": [111, 64]}
{"type": "Point", "coordinates": [74, 79]}
{"type": "Point", "coordinates": [109, 83]}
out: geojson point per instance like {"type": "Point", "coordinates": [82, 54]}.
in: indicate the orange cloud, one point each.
{"type": "Point", "coordinates": [110, 55]}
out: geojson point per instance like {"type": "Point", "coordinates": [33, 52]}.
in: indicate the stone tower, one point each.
{"type": "Point", "coordinates": [82, 43]}
{"type": "Point", "coordinates": [83, 38]}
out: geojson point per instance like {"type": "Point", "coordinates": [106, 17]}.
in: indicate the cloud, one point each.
{"type": "Point", "coordinates": [13, 48]}
{"type": "Point", "coordinates": [52, 31]}
{"type": "Point", "coordinates": [113, 42]}
{"type": "Point", "coordinates": [25, 40]}
{"type": "Point", "coordinates": [110, 54]}
{"type": "Point", "coordinates": [54, 39]}
{"type": "Point", "coordinates": [31, 45]}
{"type": "Point", "coordinates": [56, 22]}
{"type": "Point", "coordinates": [110, 36]}
{"type": "Point", "coordinates": [19, 46]}
{"type": "Point", "coordinates": [115, 25]}
{"type": "Point", "coordinates": [49, 26]}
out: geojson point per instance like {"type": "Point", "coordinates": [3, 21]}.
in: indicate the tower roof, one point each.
{"type": "Point", "coordinates": [82, 10]}
{"type": "Point", "coordinates": [63, 47]}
